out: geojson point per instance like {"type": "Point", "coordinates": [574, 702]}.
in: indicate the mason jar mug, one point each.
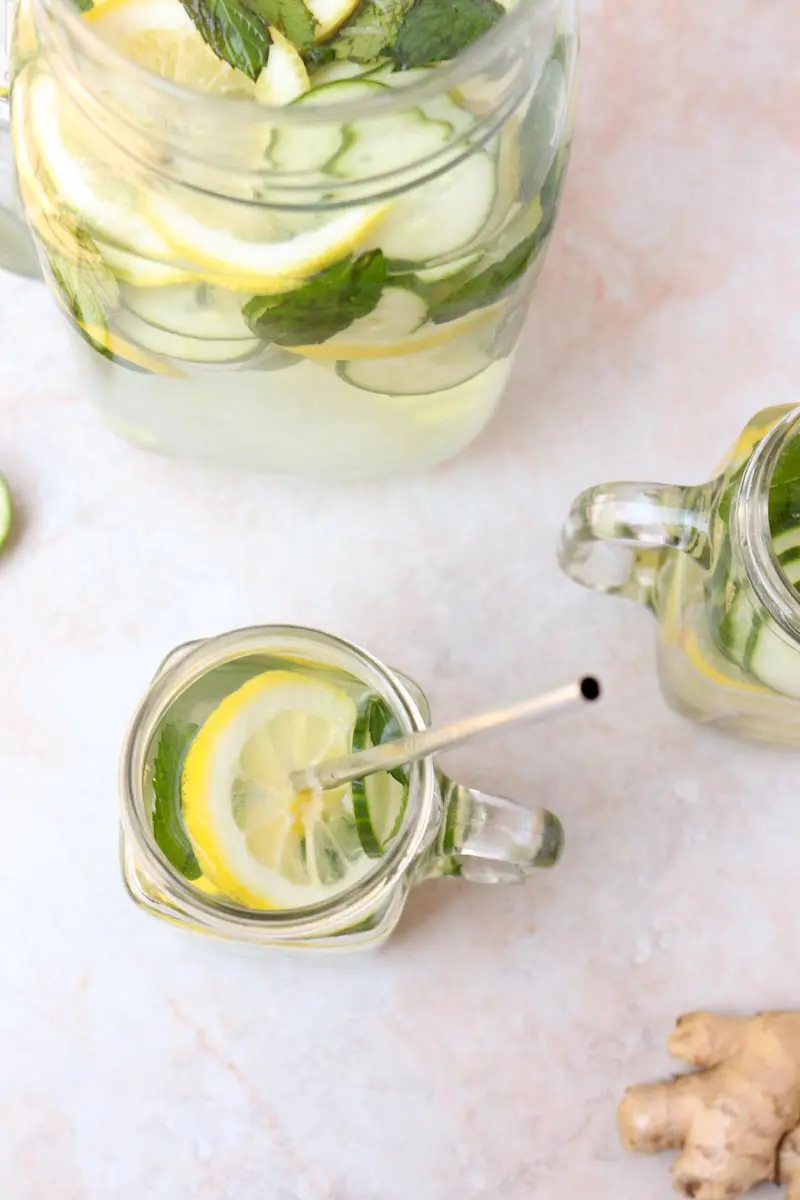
{"type": "Point", "coordinates": [216, 840]}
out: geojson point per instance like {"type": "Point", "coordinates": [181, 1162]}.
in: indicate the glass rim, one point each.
{"type": "Point", "coordinates": [185, 665]}
{"type": "Point", "coordinates": [526, 15]}
{"type": "Point", "coordinates": [753, 531]}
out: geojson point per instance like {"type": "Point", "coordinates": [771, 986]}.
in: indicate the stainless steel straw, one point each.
{"type": "Point", "coordinates": [338, 771]}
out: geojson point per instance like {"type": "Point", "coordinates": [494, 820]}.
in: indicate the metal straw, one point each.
{"type": "Point", "coordinates": [338, 771]}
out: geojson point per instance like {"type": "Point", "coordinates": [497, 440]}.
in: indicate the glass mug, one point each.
{"type": "Point", "coordinates": [159, 215]}
{"type": "Point", "coordinates": [443, 828]}
{"type": "Point", "coordinates": [719, 565]}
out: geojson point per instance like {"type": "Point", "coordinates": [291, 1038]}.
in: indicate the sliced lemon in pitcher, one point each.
{"type": "Point", "coordinates": [226, 255]}
{"type": "Point", "coordinates": [285, 77]}
{"type": "Point", "coordinates": [257, 839]}
{"type": "Point", "coordinates": [161, 37]}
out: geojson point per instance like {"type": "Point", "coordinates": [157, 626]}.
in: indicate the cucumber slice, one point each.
{"type": "Point", "coordinates": [738, 629]}
{"type": "Point", "coordinates": [177, 346]}
{"type": "Point", "coordinates": [341, 91]}
{"type": "Point", "coordinates": [6, 510]}
{"type": "Point", "coordinates": [398, 314]}
{"type": "Point", "coordinates": [379, 801]}
{"type": "Point", "coordinates": [191, 310]}
{"type": "Point", "coordinates": [430, 371]}
{"type": "Point", "coordinates": [377, 146]}
{"type": "Point", "coordinates": [775, 663]}
{"type": "Point", "coordinates": [786, 541]}
{"type": "Point", "coordinates": [442, 216]}
{"type": "Point", "coordinates": [379, 805]}
{"type": "Point", "coordinates": [456, 266]}
{"type": "Point", "coordinates": [335, 72]}
{"type": "Point", "coordinates": [312, 147]}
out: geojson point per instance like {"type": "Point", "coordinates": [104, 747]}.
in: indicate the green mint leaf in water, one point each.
{"type": "Point", "coordinates": [237, 34]}
{"type": "Point", "coordinates": [168, 827]}
{"type": "Point", "coordinates": [291, 17]}
{"type": "Point", "coordinates": [87, 287]}
{"type": "Point", "coordinates": [84, 5]}
{"type": "Point", "coordinates": [488, 285]}
{"type": "Point", "coordinates": [373, 27]}
{"type": "Point", "coordinates": [433, 31]}
{"type": "Point", "coordinates": [325, 305]}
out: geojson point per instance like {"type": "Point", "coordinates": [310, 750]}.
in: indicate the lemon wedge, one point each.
{"type": "Point", "coordinates": [285, 77]}
{"type": "Point", "coordinates": [256, 839]}
{"type": "Point", "coordinates": [330, 15]}
{"type": "Point", "coordinates": [161, 37]}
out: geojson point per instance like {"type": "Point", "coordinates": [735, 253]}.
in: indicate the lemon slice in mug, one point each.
{"type": "Point", "coordinates": [256, 839]}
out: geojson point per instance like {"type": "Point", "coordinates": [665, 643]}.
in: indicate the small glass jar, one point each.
{"type": "Point", "coordinates": [719, 565]}
{"type": "Point", "coordinates": [447, 829]}
{"type": "Point", "coordinates": [169, 223]}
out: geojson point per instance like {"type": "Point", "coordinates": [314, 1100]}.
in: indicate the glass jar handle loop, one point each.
{"type": "Point", "coordinates": [616, 534]}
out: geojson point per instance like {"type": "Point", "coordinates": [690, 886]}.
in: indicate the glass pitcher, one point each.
{"type": "Point", "coordinates": [719, 565]}
{"type": "Point", "coordinates": [345, 879]}
{"type": "Point", "coordinates": [335, 286]}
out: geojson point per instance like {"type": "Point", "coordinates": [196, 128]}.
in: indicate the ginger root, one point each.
{"type": "Point", "coordinates": [735, 1120]}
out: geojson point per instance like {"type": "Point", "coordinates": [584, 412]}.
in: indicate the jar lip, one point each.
{"type": "Point", "coordinates": [751, 527]}
{"type": "Point", "coordinates": [172, 679]}
{"type": "Point", "coordinates": [526, 15]}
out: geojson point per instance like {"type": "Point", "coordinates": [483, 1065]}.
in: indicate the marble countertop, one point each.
{"type": "Point", "coordinates": [482, 1053]}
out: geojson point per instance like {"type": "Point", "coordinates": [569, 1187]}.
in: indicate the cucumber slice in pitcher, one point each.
{"type": "Point", "coordinates": [177, 346]}
{"type": "Point", "coordinates": [443, 216]}
{"type": "Point", "coordinates": [6, 511]}
{"type": "Point", "coordinates": [195, 310]}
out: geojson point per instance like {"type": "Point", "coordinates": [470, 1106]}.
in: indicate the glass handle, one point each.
{"type": "Point", "coordinates": [490, 839]}
{"type": "Point", "coordinates": [616, 533]}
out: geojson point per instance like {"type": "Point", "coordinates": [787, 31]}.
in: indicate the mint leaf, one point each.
{"type": "Point", "coordinates": [434, 32]}
{"type": "Point", "coordinates": [325, 305]}
{"type": "Point", "coordinates": [83, 5]}
{"type": "Point", "coordinates": [88, 289]}
{"type": "Point", "coordinates": [168, 827]}
{"type": "Point", "coordinates": [291, 17]}
{"type": "Point", "coordinates": [488, 285]}
{"type": "Point", "coordinates": [364, 38]}
{"type": "Point", "coordinates": [236, 34]}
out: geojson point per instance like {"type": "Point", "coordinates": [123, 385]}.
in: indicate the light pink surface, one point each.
{"type": "Point", "coordinates": [483, 1053]}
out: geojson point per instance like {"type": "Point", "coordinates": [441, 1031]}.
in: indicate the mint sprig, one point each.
{"type": "Point", "coordinates": [236, 34]}
{"type": "Point", "coordinates": [488, 285]}
{"type": "Point", "coordinates": [326, 305]}
{"type": "Point", "coordinates": [291, 17]}
{"type": "Point", "coordinates": [373, 27]}
{"type": "Point", "coordinates": [168, 827]}
{"type": "Point", "coordinates": [434, 32]}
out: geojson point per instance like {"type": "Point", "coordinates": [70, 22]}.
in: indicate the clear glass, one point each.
{"type": "Point", "coordinates": [128, 183]}
{"type": "Point", "coordinates": [718, 565]}
{"type": "Point", "coordinates": [447, 829]}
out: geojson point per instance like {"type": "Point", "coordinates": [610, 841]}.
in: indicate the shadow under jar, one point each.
{"type": "Point", "coordinates": [334, 286]}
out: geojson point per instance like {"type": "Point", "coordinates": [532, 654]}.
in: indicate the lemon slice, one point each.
{"type": "Point", "coordinates": [93, 189]}
{"type": "Point", "coordinates": [285, 76]}
{"type": "Point", "coordinates": [226, 255]}
{"type": "Point", "coordinates": [330, 15]}
{"type": "Point", "coordinates": [162, 38]}
{"type": "Point", "coordinates": [256, 839]}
